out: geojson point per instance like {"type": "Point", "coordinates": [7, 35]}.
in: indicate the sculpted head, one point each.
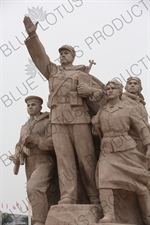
{"type": "Point", "coordinates": [114, 89]}
{"type": "Point", "coordinates": [133, 85]}
{"type": "Point", "coordinates": [34, 105]}
{"type": "Point", "coordinates": [67, 54]}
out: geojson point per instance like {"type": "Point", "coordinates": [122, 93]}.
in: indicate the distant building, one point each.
{"type": "Point", "coordinates": [0, 217]}
{"type": "Point", "coordinates": [16, 219]}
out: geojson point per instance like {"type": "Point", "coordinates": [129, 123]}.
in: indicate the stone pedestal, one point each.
{"type": "Point", "coordinates": [126, 211]}
{"type": "Point", "coordinates": [126, 207]}
{"type": "Point", "coordinates": [74, 214]}
{"type": "Point", "coordinates": [113, 224]}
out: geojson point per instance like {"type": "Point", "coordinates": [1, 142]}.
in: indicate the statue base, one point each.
{"type": "Point", "coordinates": [113, 224]}
{"type": "Point", "coordinates": [74, 214]}
{"type": "Point", "coordinates": [126, 211]}
{"type": "Point", "coordinates": [126, 207]}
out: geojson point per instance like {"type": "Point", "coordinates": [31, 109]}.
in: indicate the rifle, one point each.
{"type": "Point", "coordinates": [88, 68]}
{"type": "Point", "coordinates": [18, 158]}
{"type": "Point", "coordinates": [20, 151]}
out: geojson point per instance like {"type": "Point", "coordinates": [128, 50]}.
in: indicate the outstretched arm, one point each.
{"type": "Point", "coordinates": [37, 50]}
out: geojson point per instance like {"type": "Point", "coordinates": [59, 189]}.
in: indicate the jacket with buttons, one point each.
{"type": "Point", "coordinates": [67, 107]}
{"type": "Point", "coordinates": [114, 125]}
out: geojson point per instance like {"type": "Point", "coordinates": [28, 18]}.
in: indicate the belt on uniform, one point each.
{"type": "Point", "coordinates": [62, 99]}
{"type": "Point", "coordinates": [115, 134]}
{"type": "Point", "coordinates": [40, 153]}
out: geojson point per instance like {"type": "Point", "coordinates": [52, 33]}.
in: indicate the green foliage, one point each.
{"type": "Point", "coordinates": [6, 218]}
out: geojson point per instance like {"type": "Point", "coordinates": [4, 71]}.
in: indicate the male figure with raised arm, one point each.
{"type": "Point", "coordinates": [69, 87]}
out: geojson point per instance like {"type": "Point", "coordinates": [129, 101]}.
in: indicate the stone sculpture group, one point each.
{"type": "Point", "coordinates": [87, 160]}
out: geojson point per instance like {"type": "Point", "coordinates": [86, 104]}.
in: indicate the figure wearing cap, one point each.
{"type": "Point", "coordinates": [134, 97]}
{"type": "Point", "coordinates": [36, 99]}
{"type": "Point", "coordinates": [69, 86]}
{"type": "Point", "coordinates": [123, 166]}
{"type": "Point", "coordinates": [35, 150]}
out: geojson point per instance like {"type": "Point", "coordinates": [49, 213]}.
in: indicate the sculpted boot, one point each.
{"type": "Point", "coordinates": [107, 203]}
{"type": "Point", "coordinates": [144, 205]}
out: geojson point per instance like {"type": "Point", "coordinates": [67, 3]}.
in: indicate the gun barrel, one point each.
{"type": "Point", "coordinates": [16, 168]}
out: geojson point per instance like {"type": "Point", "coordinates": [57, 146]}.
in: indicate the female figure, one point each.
{"type": "Point", "coordinates": [121, 165]}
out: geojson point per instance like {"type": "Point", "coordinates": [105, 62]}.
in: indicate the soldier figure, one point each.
{"type": "Point", "coordinates": [134, 98]}
{"type": "Point", "coordinates": [69, 87]}
{"type": "Point", "coordinates": [35, 149]}
{"type": "Point", "coordinates": [122, 165]}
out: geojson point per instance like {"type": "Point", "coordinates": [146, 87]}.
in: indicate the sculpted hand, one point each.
{"type": "Point", "coordinates": [96, 127]}
{"type": "Point", "coordinates": [13, 158]}
{"type": "Point", "coordinates": [84, 90]}
{"type": "Point", "coordinates": [31, 141]}
{"type": "Point", "coordinates": [30, 26]}
{"type": "Point", "coordinates": [95, 120]}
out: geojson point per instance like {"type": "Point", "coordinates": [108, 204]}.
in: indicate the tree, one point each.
{"type": "Point", "coordinates": [6, 218]}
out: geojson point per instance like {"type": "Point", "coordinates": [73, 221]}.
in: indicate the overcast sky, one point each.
{"type": "Point", "coordinates": [115, 34]}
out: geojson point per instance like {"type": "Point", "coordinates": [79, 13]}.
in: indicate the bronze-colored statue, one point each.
{"type": "Point", "coordinates": [35, 149]}
{"type": "Point", "coordinates": [121, 165]}
{"type": "Point", "coordinates": [134, 98]}
{"type": "Point", "coordinates": [69, 87]}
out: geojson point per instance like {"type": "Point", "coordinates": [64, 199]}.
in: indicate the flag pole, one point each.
{"type": "Point", "coordinates": [29, 214]}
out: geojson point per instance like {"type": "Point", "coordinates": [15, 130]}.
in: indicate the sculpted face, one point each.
{"type": "Point", "coordinates": [133, 87]}
{"type": "Point", "coordinates": [112, 91]}
{"type": "Point", "coordinates": [65, 57]}
{"type": "Point", "coordinates": [33, 108]}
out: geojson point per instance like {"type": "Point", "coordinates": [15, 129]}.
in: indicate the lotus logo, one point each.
{"type": "Point", "coordinates": [36, 14]}
{"type": "Point", "coordinates": [31, 69]}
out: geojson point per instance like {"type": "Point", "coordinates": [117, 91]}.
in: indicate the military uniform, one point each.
{"type": "Point", "coordinates": [40, 165]}
{"type": "Point", "coordinates": [123, 166]}
{"type": "Point", "coordinates": [70, 123]}
{"type": "Point", "coordinates": [138, 104]}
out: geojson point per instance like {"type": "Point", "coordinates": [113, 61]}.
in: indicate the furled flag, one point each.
{"type": "Point", "coordinates": [17, 204]}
